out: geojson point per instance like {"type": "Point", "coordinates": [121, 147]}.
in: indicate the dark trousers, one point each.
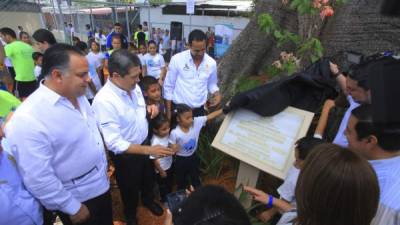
{"type": "Point", "coordinates": [187, 168]}
{"type": "Point", "coordinates": [134, 175]}
{"type": "Point", "coordinates": [100, 209]}
{"type": "Point", "coordinates": [165, 184]}
{"type": "Point", "coordinates": [12, 74]}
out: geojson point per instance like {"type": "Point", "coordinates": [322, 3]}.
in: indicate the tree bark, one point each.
{"type": "Point", "coordinates": [357, 25]}
{"type": "Point", "coordinates": [253, 47]}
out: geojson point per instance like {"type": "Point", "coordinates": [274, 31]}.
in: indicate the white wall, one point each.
{"type": "Point", "coordinates": [157, 19]}
{"type": "Point", "coordinates": [29, 21]}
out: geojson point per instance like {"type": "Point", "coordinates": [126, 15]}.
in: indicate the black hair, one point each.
{"type": "Point", "coordinates": [388, 139]}
{"type": "Point", "coordinates": [87, 26]}
{"type": "Point", "coordinates": [116, 36]}
{"type": "Point", "coordinates": [146, 81]}
{"type": "Point", "coordinates": [151, 42]}
{"type": "Point", "coordinates": [181, 108]}
{"type": "Point", "coordinates": [158, 121]}
{"type": "Point", "coordinates": [140, 26]}
{"type": "Point", "coordinates": [22, 33]}
{"type": "Point", "coordinates": [82, 46]}
{"type": "Point", "coordinates": [8, 31]}
{"type": "Point", "coordinates": [36, 55]}
{"type": "Point", "coordinates": [211, 205]}
{"type": "Point", "coordinates": [57, 57]}
{"type": "Point", "coordinates": [93, 41]}
{"type": "Point", "coordinates": [117, 24]}
{"type": "Point", "coordinates": [359, 73]}
{"type": "Point", "coordinates": [306, 144]}
{"type": "Point", "coordinates": [121, 61]}
{"type": "Point", "coordinates": [197, 35]}
{"type": "Point", "coordinates": [43, 35]}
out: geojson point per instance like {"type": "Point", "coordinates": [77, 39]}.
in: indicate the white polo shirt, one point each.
{"type": "Point", "coordinates": [184, 83]}
{"type": "Point", "coordinates": [58, 149]}
{"type": "Point", "coordinates": [122, 118]}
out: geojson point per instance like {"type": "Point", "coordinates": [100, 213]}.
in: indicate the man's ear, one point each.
{"type": "Point", "coordinates": [372, 139]}
{"type": "Point", "coordinates": [56, 75]}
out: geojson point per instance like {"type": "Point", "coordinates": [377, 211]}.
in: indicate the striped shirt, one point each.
{"type": "Point", "coordinates": [388, 173]}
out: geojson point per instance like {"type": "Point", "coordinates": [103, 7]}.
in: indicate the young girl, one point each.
{"type": "Point", "coordinates": [160, 127]}
{"type": "Point", "coordinates": [184, 138]}
{"type": "Point", "coordinates": [154, 64]}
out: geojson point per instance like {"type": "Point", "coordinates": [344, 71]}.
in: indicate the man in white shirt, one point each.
{"type": "Point", "coordinates": [121, 110]}
{"type": "Point", "coordinates": [191, 75]}
{"type": "Point", "coordinates": [381, 146]}
{"type": "Point", "coordinates": [57, 145]}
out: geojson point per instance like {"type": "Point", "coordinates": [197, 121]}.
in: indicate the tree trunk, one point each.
{"type": "Point", "coordinates": [253, 47]}
{"type": "Point", "coordinates": [357, 26]}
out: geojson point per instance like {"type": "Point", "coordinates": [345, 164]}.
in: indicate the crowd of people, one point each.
{"type": "Point", "coordinates": [75, 108]}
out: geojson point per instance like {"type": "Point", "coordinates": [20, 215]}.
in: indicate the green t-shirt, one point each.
{"type": "Point", "coordinates": [8, 103]}
{"type": "Point", "coordinates": [20, 54]}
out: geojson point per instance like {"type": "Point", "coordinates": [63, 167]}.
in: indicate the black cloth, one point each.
{"type": "Point", "coordinates": [187, 171]}
{"type": "Point", "coordinates": [12, 74]}
{"type": "Point", "coordinates": [100, 209]}
{"type": "Point", "coordinates": [25, 88]}
{"type": "Point", "coordinates": [306, 90]}
{"type": "Point", "coordinates": [134, 174]}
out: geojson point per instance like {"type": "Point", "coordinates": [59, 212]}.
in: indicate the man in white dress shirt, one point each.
{"type": "Point", "coordinates": [121, 110]}
{"type": "Point", "coordinates": [55, 140]}
{"type": "Point", "coordinates": [357, 91]}
{"type": "Point", "coordinates": [192, 74]}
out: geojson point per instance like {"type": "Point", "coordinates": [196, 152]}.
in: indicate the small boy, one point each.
{"type": "Point", "coordinates": [304, 146]}
{"type": "Point", "coordinates": [37, 59]}
{"type": "Point", "coordinates": [152, 93]}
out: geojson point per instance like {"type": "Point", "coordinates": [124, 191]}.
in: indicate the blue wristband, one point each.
{"type": "Point", "coordinates": [270, 201]}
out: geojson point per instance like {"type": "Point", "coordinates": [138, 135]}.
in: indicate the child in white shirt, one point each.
{"type": "Point", "coordinates": [37, 59]}
{"type": "Point", "coordinates": [154, 64]}
{"type": "Point", "coordinates": [185, 138]}
{"type": "Point", "coordinates": [160, 127]}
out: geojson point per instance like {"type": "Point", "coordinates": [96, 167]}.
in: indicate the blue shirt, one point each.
{"type": "Point", "coordinates": [18, 207]}
{"type": "Point", "coordinates": [388, 173]}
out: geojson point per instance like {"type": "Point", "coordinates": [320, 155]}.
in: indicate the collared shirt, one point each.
{"type": "Point", "coordinates": [122, 117]}
{"type": "Point", "coordinates": [184, 83]}
{"type": "Point", "coordinates": [18, 206]}
{"type": "Point", "coordinates": [387, 171]}
{"type": "Point", "coordinates": [58, 149]}
{"type": "Point", "coordinates": [340, 138]}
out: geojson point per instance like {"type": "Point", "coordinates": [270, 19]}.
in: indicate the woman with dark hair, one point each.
{"type": "Point", "coordinates": [335, 187]}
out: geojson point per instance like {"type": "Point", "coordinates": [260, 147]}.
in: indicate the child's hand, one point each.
{"type": "Point", "coordinates": [189, 190]}
{"type": "Point", "coordinates": [258, 195]}
{"type": "Point", "coordinates": [163, 174]}
{"type": "Point", "coordinates": [153, 111]}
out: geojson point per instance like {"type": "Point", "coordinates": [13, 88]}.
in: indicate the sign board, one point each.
{"type": "Point", "coordinates": [264, 142]}
{"type": "Point", "coordinates": [223, 39]}
{"type": "Point", "coordinates": [190, 6]}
